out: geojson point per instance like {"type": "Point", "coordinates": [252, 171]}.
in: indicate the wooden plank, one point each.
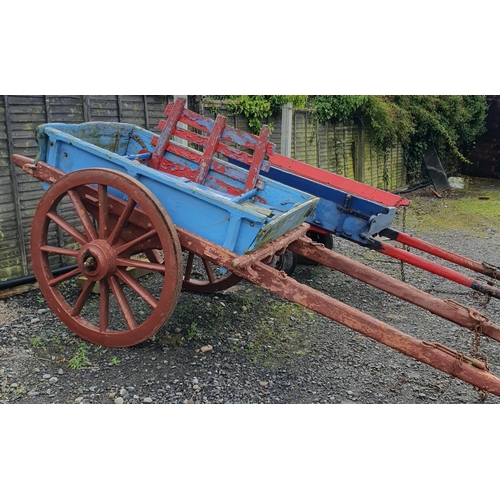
{"type": "Point", "coordinates": [258, 157]}
{"type": "Point", "coordinates": [167, 132]}
{"type": "Point", "coordinates": [230, 134]}
{"type": "Point", "coordinates": [18, 290]}
{"type": "Point", "coordinates": [211, 148]}
{"type": "Point", "coordinates": [223, 149]}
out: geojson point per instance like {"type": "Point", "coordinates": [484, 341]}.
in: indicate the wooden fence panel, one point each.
{"type": "Point", "coordinates": [19, 192]}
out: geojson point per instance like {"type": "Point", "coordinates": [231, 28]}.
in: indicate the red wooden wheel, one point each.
{"type": "Point", "coordinates": [201, 276]}
{"type": "Point", "coordinates": [106, 227]}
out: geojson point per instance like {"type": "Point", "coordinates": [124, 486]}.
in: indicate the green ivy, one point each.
{"type": "Point", "coordinates": [259, 109]}
{"type": "Point", "coordinates": [450, 123]}
{"type": "Point", "coordinates": [340, 108]}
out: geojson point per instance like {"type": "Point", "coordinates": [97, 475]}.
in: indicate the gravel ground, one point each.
{"type": "Point", "coordinates": [245, 345]}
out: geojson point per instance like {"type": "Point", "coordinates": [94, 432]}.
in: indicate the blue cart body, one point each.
{"type": "Point", "coordinates": [339, 212]}
{"type": "Point", "coordinates": [240, 223]}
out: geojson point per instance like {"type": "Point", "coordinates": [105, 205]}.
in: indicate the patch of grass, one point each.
{"type": "Point", "coordinates": [372, 256]}
{"type": "Point", "coordinates": [80, 359]}
{"type": "Point", "coordinates": [275, 339]}
{"type": "Point", "coordinates": [171, 340]}
{"type": "Point", "coordinates": [459, 211]}
{"type": "Point", "coordinates": [36, 341]}
{"type": "Point", "coordinates": [194, 333]}
{"type": "Point", "coordinates": [217, 310]}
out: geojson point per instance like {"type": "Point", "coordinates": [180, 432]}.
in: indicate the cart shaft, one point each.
{"type": "Point", "coordinates": [434, 354]}
{"type": "Point", "coordinates": [438, 270]}
{"type": "Point", "coordinates": [437, 251]}
{"type": "Point", "coordinates": [461, 315]}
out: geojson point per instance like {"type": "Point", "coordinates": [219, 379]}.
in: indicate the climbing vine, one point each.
{"type": "Point", "coordinates": [259, 109]}
{"type": "Point", "coordinates": [451, 123]}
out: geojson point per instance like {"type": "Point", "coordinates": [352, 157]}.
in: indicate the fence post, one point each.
{"type": "Point", "coordinates": [286, 130]}
{"type": "Point", "coordinates": [146, 111]}
{"type": "Point", "coordinates": [15, 187]}
{"type": "Point", "coordinates": [360, 174]}
{"type": "Point", "coordinates": [87, 111]}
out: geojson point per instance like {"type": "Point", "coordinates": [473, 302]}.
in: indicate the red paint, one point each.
{"type": "Point", "coordinates": [103, 260]}
{"type": "Point", "coordinates": [211, 148]}
{"type": "Point", "coordinates": [431, 249]}
{"type": "Point", "coordinates": [337, 181]}
{"type": "Point", "coordinates": [212, 145]}
{"type": "Point", "coordinates": [230, 134]}
{"type": "Point", "coordinates": [451, 311]}
{"type": "Point", "coordinates": [258, 156]}
{"type": "Point", "coordinates": [223, 149]}
{"type": "Point", "coordinates": [167, 133]}
{"type": "Point", "coordinates": [425, 264]}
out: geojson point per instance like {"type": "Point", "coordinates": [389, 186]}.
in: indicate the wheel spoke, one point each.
{"type": "Point", "coordinates": [103, 212]}
{"type": "Point", "coordinates": [103, 305]}
{"type": "Point", "coordinates": [140, 264]}
{"type": "Point", "coordinates": [122, 302]}
{"type": "Point", "coordinates": [124, 217]}
{"type": "Point", "coordinates": [82, 214]}
{"type": "Point", "coordinates": [189, 267]}
{"type": "Point", "coordinates": [136, 241]}
{"type": "Point", "coordinates": [204, 280]}
{"type": "Point", "coordinates": [82, 298]}
{"type": "Point", "coordinates": [154, 256]}
{"type": "Point", "coordinates": [59, 251]}
{"type": "Point", "coordinates": [208, 270]}
{"type": "Point", "coordinates": [63, 277]}
{"type": "Point", "coordinates": [66, 226]}
{"type": "Point", "coordinates": [138, 288]}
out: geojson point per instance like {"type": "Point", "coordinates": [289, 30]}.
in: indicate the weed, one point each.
{"type": "Point", "coordinates": [275, 340]}
{"type": "Point", "coordinates": [194, 333]}
{"type": "Point", "coordinates": [115, 361]}
{"type": "Point", "coordinates": [217, 310]}
{"type": "Point", "coordinates": [171, 340]}
{"type": "Point", "coordinates": [36, 341]}
{"type": "Point", "coordinates": [80, 359]}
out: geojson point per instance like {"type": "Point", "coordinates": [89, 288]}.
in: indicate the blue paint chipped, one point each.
{"type": "Point", "coordinates": [240, 224]}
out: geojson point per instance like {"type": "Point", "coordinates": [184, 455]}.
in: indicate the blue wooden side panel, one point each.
{"type": "Point", "coordinates": [239, 226]}
{"type": "Point", "coordinates": [338, 212]}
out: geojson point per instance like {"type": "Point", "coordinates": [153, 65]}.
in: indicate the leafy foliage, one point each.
{"type": "Point", "coordinates": [80, 359]}
{"type": "Point", "coordinates": [258, 109]}
{"type": "Point", "coordinates": [450, 123]}
{"type": "Point", "coordinates": [340, 108]}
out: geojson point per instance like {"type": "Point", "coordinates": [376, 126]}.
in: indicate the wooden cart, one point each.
{"type": "Point", "coordinates": [122, 198]}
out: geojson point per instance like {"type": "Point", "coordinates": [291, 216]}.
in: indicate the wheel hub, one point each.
{"type": "Point", "coordinates": [97, 260]}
